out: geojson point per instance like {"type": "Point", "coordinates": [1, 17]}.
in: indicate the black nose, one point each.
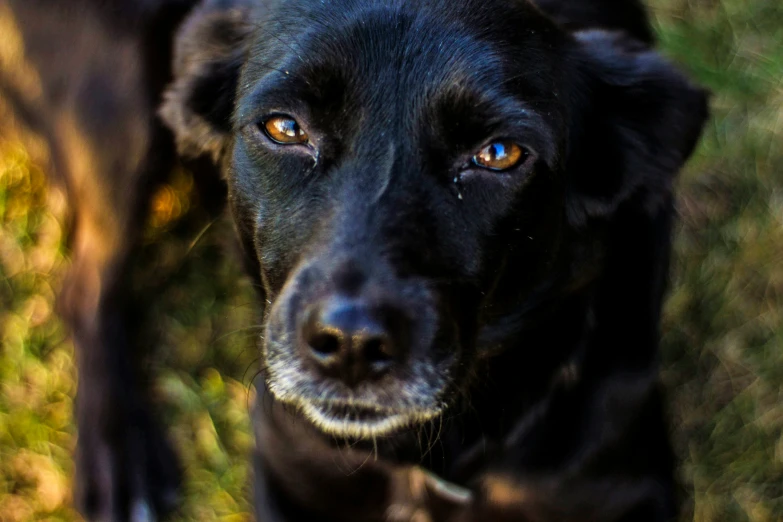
{"type": "Point", "coordinates": [351, 340]}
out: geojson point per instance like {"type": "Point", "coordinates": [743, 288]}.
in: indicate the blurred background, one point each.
{"type": "Point", "coordinates": [722, 359]}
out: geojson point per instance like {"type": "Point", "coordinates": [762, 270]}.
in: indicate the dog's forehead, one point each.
{"type": "Point", "coordinates": [410, 43]}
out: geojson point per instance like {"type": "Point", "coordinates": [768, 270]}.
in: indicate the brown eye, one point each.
{"type": "Point", "coordinates": [500, 155]}
{"type": "Point", "coordinates": [284, 130]}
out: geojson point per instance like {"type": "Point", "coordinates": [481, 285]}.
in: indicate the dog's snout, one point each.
{"type": "Point", "coordinates": [352, 341]}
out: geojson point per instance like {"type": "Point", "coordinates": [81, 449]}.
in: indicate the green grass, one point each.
{"type": "Point", "coordinates": [723, 341]}
{"type": "Point", "coordinates": [723, 328]}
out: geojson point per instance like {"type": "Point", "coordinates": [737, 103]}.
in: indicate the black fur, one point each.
{"type": "Point", "coordinates": [513, 317]}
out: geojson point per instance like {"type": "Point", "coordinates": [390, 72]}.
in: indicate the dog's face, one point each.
{"type": "Point", "coordinates": [402, 176]}
{"type": "Point", "coordinates": [386, 161]}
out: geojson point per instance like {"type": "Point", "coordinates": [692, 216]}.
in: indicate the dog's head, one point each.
{"type": "Point", "coordinates": [402, 175]}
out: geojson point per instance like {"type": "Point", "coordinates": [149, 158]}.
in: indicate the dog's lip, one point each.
{"type": "Point", "coordinates": [359, 420]}
{"type": "Point", "coordinates": [353, 410]}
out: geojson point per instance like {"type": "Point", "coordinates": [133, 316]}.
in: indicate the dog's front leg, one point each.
{"type": "Point", "coordinates": [94, 100]}
{"type": "Point", "coordinates": [125, 469]}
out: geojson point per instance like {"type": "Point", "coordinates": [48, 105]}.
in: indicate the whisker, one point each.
{"type": "Point", "coordinates": [369, 454]}
{"type": "Point", "coordinates": [238, 330]}
{"type": "Point", "coordinates": [249, 390]}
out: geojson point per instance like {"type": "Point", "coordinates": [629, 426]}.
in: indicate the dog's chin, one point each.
{"type": "Point", "coordinates": [360, 422]}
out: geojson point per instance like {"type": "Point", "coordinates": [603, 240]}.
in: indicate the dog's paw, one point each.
{"type": "Point", "coordinates": [418, 495]}
{"type": "Point", "coordinates": [131, 475]}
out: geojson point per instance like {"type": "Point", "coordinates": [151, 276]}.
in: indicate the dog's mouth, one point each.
{"type": "Point", "coordinates": [361, 421]}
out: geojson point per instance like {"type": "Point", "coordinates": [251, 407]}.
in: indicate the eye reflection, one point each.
{"type": "Point", "coordinates": [284, 130]}
{"type": "Point", "coordinates": [500, 155]}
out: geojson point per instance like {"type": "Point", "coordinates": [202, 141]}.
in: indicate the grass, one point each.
{"type": "Point", "coordinates": [723, 329]}
{"type": "Point", "coordinates": [723, 342]}
{"type": "Point", "coordinates": [203, 365]}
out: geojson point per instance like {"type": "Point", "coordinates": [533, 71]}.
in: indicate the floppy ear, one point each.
{"type": "Point", "coordinates": [209, 50]}
{"type": "Point", "coordinates": [635, 121]}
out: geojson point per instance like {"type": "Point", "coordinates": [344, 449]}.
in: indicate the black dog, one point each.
{"type": "Point", "coordinates": [459, 212]}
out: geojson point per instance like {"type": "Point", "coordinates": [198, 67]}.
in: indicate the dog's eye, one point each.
{"type": "Point", "coordinates": [500, 155]}
{"type": "Point", "coordinates": [284, 130]}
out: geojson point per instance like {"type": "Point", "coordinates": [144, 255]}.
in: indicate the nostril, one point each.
{"type": "Point", "coordinates": [324, 343]}
{"type": "Point", "coordinates": [350, 340]}
{"type": "Point", "coordinates": [377, 350]}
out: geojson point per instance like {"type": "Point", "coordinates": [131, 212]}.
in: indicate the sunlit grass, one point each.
{"type": "Point", "coordinates": [36, 370]}
{"type": "Point", "coordinates": [204, 364]}
{"type": "Point", "coordinates": [723, 331]}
